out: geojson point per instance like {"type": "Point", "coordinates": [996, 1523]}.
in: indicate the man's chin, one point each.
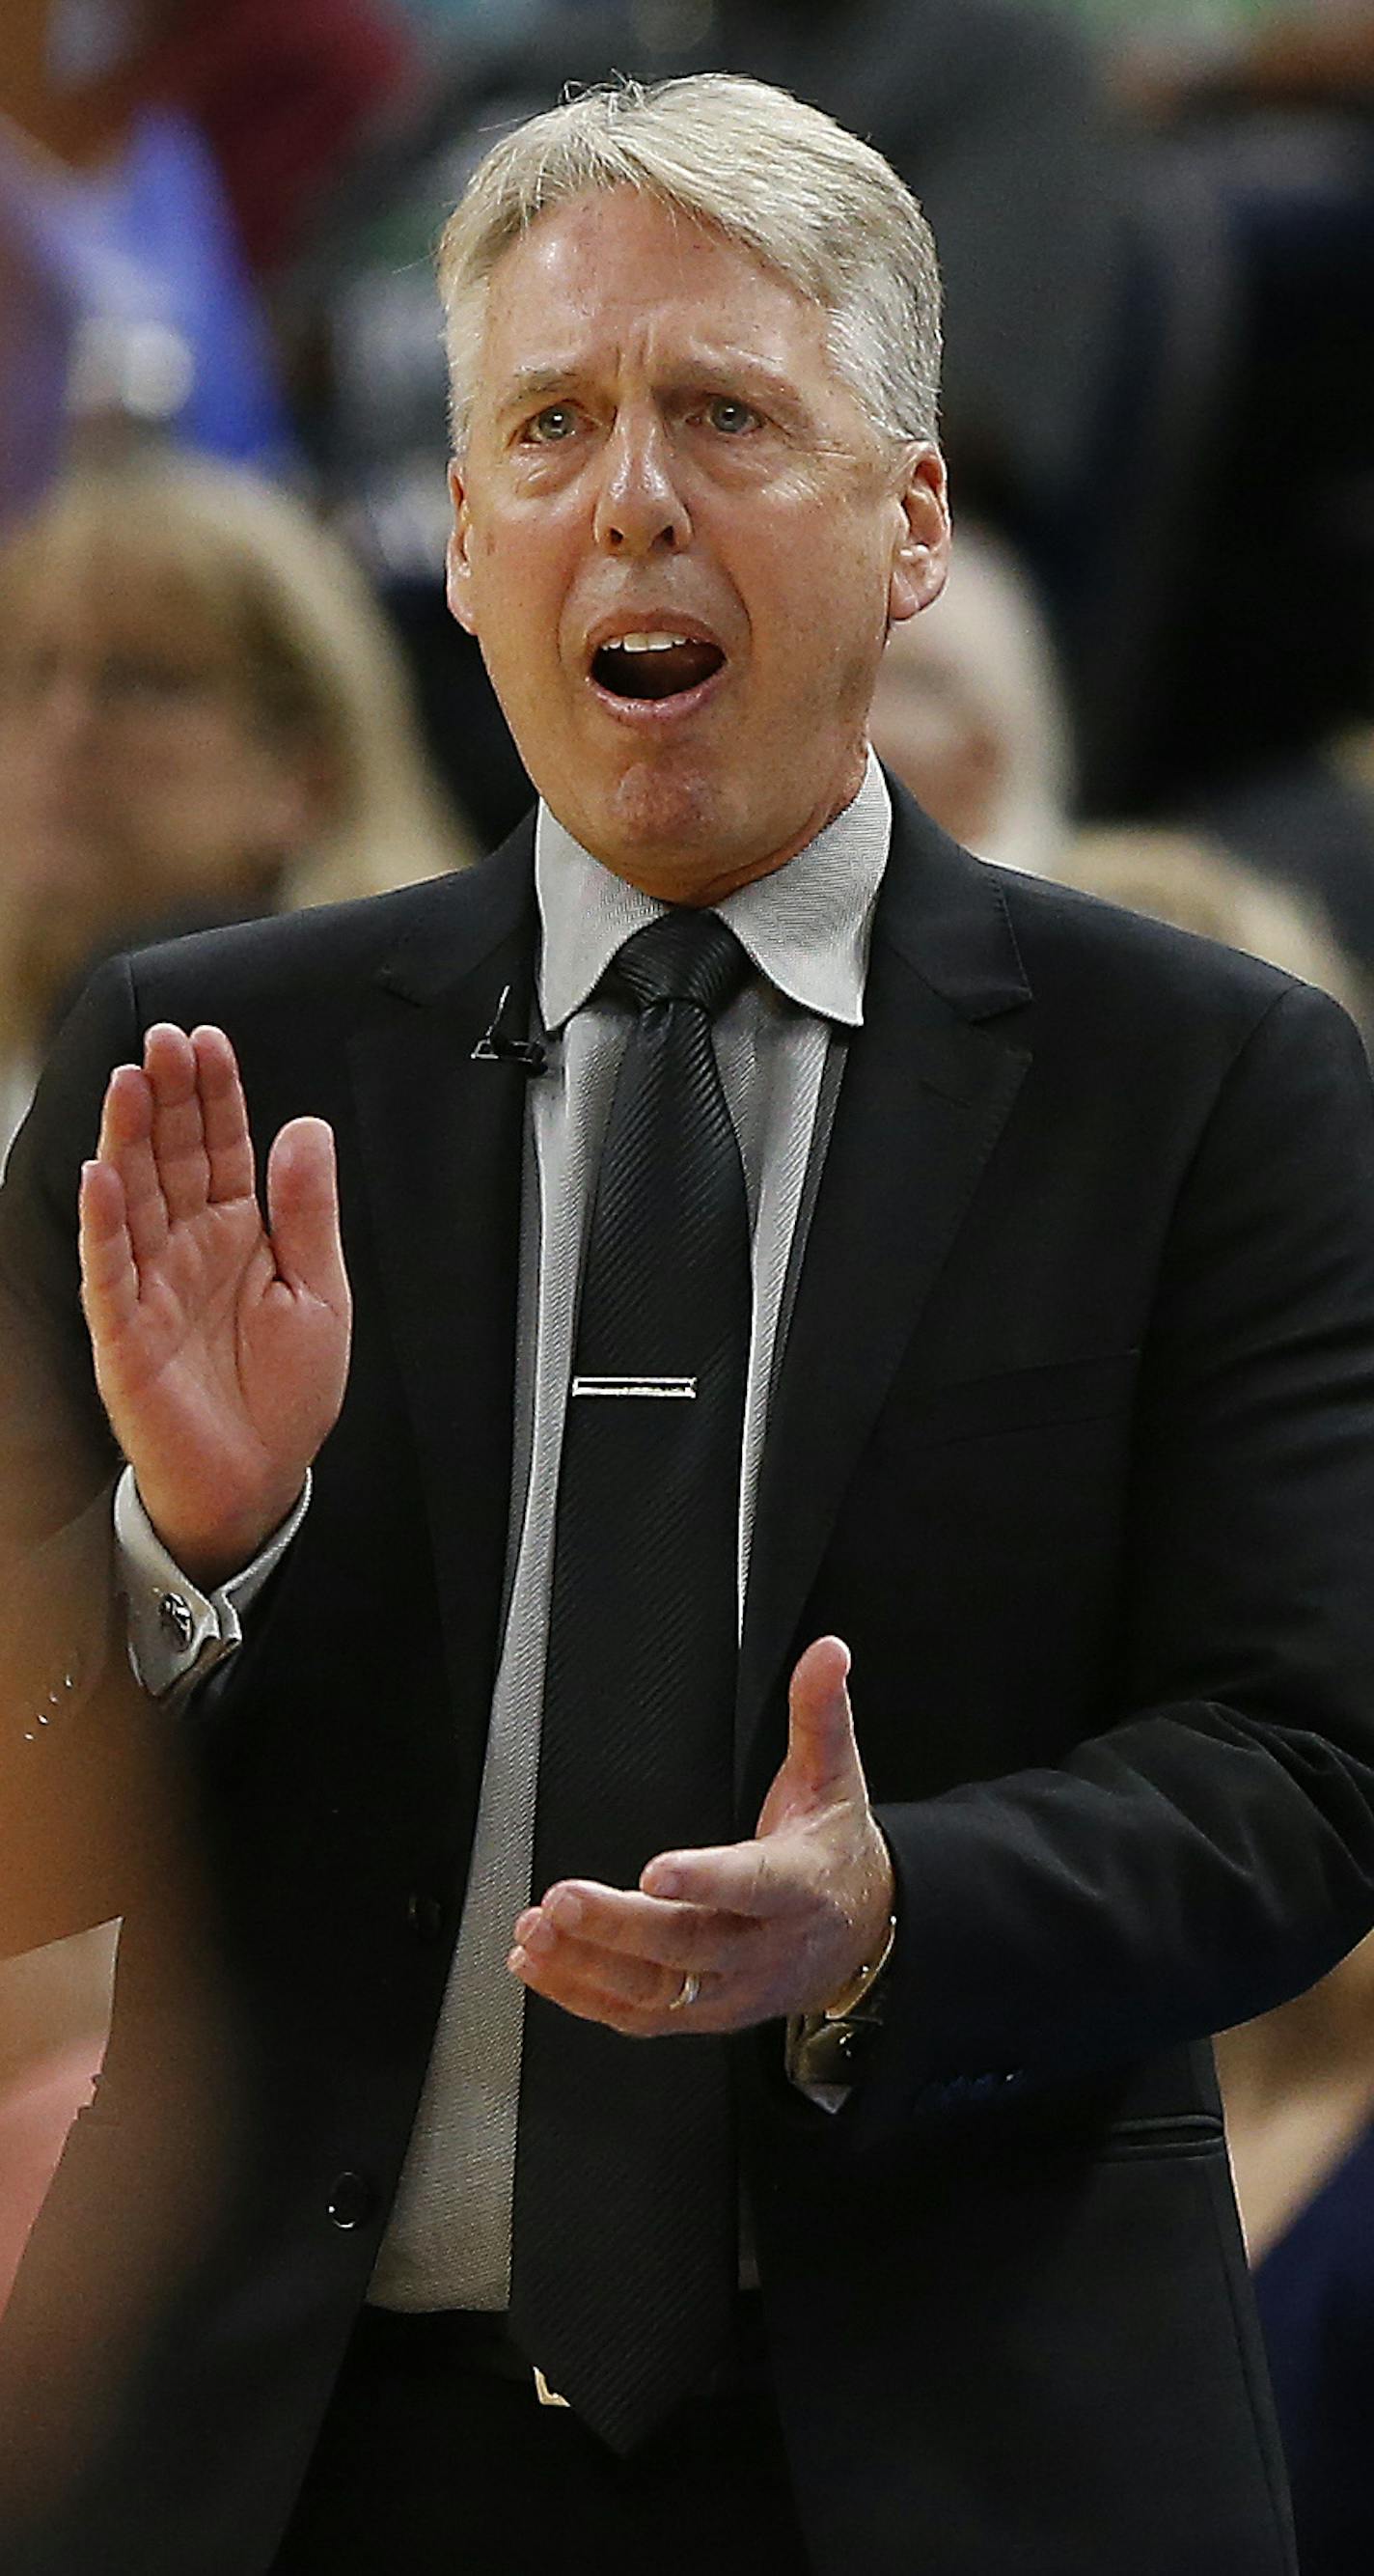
{"type": "Point", "coordinates": [664, 833]}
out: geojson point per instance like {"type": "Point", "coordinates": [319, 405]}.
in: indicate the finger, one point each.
{"type": "Point", "coordinates": [303, 1212]}
{"type": "Point", "coordinates": [621, 1921]}
{"type": "Point", "coordinates": [178, 1136]}
{"type": "Point", "coordinates": [822, 1754]}
{"type": "Point", "coordinates": [570, 1967]}
{"type": "Point", "coordinates": [228, 1144]}
{"type": "Point", "coordinates": [752, 1880]}
{"type": "Point", "coordinates": [641, 2002]}
{"type": "Point", "coordinates": [126, 1145]}
{"type": "Point", "coordinates": [109, 1276]}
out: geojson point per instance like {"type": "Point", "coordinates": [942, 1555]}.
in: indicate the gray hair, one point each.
{"type": "Point", "coordinates": [803, 196]}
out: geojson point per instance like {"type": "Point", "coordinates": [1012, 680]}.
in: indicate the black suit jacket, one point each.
{"type": "Point", "coordinates": [1073, 1440]}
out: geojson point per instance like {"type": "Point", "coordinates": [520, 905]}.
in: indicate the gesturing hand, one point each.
{"type": "Point", "coordinates": [221, 1349]}
{"type": "Point", "coordinates": [777, 1925]}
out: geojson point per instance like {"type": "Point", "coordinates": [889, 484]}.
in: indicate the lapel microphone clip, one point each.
{"type": "Point", "coordinates": [500, 1045]}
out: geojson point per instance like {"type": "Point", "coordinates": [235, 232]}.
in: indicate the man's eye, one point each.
{"type": "Point", "coordinates": [726, 414]}
{"type": "Point", "coordinates": [556, 421]}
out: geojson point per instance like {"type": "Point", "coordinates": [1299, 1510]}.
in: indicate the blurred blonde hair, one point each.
{"type": "Point", "coordinates": [301, 630]}
{"type": "Point", "coordinates": [984, 650]}
{"type": "Point", "coordinates": [1193, 882]}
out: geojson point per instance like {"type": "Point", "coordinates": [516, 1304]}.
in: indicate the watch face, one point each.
{"type": "Point", "coordinates": [827, 2056]}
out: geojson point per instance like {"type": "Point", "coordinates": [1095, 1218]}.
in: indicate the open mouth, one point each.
{"type": "Point", "coordinates": [655, 666]}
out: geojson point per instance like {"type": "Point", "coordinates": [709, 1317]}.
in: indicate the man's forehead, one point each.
{"type": "Point", "coordinates": [619, 280]}
{"type": "Point", "coordinates": [595, 222]}
{"type": "Point", "coordinates": [623, 251]}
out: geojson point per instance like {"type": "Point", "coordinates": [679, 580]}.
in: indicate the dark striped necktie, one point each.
{"type": "Point", "coordinates": [625, 2225]}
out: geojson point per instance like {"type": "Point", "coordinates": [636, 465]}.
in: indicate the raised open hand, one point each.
{"type": "Point", "coordinates": [221, 1344]}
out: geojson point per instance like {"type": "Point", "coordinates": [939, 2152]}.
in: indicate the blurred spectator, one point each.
{"type": "Point", "coordinates": [1195, 884]}
{"type": "Point", "coordinates": [124, 291]}
{"type": "Point", "coordinates": [970, 712]}
{"type": "Point", "coordinates": [1299, 2092]}
{"type": "Point", "coordinates": [152, 153]}
{"type": "Point", "coordinates": [1274, 55]}
{"type": "Point", "coordinates": [287, 93]}
{"type": "Point", "coordinates": [1308, 817]}
{"type": "Point", "coordinates": [1268, 651]}
{"type": "Point", "coordinates": [202, 715]}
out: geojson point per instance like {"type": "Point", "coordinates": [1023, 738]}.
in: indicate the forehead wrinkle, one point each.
{"type": "Point", "coordinates": [565, 250]}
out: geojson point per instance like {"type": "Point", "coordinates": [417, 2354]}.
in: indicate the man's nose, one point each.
{"type": "Point", "coordinates": [640, 509]}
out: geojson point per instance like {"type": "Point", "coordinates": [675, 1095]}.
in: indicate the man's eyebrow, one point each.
{"type": "Point", "coordinates": [741, 369]}
{"type": "Point", "coordinates": [534, 384]}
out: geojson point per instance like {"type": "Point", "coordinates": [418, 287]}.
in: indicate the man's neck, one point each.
{"type": "Point", "coordinates": [689, 878]}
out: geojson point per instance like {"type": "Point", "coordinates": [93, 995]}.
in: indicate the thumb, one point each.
{"type": "Point", "coordinates": [303, 1212]}
{"type": "Point", "coordinates": [822, 1755]}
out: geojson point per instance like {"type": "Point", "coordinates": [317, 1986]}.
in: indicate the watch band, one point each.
{"type": "Point", "coordinates": [825, 2050]}
{"type": "Point", "coordinates": [863, 1981]}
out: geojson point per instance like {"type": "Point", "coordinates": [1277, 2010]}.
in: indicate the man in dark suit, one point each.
{"type": "Point", "coordinates": [1056, 1417]}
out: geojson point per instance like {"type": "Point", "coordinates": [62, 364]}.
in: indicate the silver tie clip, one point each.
{"type": "Point", "coordinates": [659, 1386]}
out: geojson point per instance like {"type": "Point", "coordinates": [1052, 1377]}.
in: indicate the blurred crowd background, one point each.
{"type": "Point", "coordinates": [228, 681]}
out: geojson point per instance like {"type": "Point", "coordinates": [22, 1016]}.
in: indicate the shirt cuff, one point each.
{"type": "Point", "coordinates": [176, 1630]}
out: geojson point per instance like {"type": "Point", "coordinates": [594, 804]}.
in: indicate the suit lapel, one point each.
{"type": "Point", "coordinates": [926, 1088]}
{"type": "Point", "coordinates": [442, 1137]}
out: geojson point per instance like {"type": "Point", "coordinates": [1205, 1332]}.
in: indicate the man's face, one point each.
{"type": "Point", "coordinates": [661, 449]}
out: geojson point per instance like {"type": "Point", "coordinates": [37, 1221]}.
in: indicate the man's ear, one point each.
{"type": "Point", "coordinates": [457, 560]}
{"type": "Point", "coordinates": [920, 562]}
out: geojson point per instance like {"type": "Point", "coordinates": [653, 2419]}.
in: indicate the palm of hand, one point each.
{"type": "Point", "coordinates": [220, 1347]}
{"type": "Point", "coordinates": [222, 1360]}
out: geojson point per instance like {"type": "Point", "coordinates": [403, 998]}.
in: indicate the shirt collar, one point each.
{"type": "Point", "coordinates": [806, 926]}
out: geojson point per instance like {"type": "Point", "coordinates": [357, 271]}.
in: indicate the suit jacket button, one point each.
{"type": "Point", "coordinates": [425, 1915]}
{"type": "Point", "coordinates": [352, 2200]}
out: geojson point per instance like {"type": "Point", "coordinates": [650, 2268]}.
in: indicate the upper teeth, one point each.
{"type": "Point", "coordinates": [645, 643]}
